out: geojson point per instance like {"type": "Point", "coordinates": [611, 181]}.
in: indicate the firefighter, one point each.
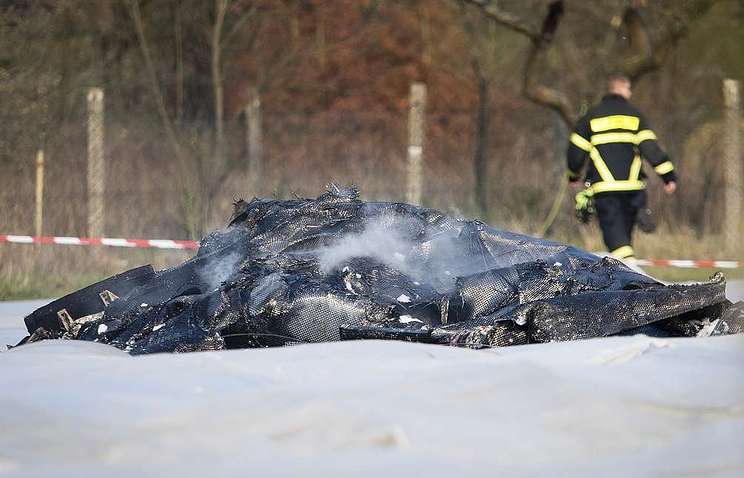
{"type": "Point", "coordinates": [614, 136]}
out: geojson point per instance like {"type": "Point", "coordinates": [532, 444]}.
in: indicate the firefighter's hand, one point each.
{"type": "Point", "coordinates": [670, 187]}
{"type": "Point", "coordinates": [575, 184]}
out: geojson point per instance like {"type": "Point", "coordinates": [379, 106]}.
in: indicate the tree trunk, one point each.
{"type": "Point", "coordinates": [217, 87]}
{"type": "Point", "coordinates": [215, 166]}
{"type": "Point", "coordinates": [178, 33]}
{"type": "Point", "coordinates": [480, 158]}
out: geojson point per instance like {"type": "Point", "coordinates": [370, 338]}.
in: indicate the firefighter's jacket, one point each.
{"type": "Point", "coordinates": [615, 135]}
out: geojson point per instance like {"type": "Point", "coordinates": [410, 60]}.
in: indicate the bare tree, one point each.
{"type": "Point", "coordinates": [202, 171]}
{"type": "Point", "coordinates": [152, 75]}
{"type": "Point", "coordinates": [640, 56]}
{"type": "Point", "coordinates": [482, 62]}
{"type": "Point", "coordinates": [220, 9]}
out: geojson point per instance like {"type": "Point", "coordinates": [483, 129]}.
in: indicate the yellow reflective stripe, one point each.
{"type": "Point", "coordinates": [644, 135]}
{"type": "Point", "coordinates": [580, 142]}
{"type": "Point", "coordinates": [602, 169]}
{"type": "Point", "coordinates": [635, 138]}
{"type": "Point", "coordinates": [614, 122]}
{"type": "Point", "coordinates": [606, 138]}
{"type": "Point", "coordinates": [623, 252]}
{"type": "Point", "coordinates": [635, 168]}
{"type": "Point", "coordinates": [617, 186]}
{"type": "Point", "coordinates": [664, 168]}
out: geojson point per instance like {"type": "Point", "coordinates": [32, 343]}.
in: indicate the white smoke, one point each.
{"type": "Point", "coordinates": [220, 270]}
{"type": "Point", "coordinates": [437, 262]}
{"type": "Point", "coordinates": [380, 240]}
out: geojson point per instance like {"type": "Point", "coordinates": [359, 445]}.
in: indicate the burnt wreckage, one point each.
{"type": "Point", "coordinates": [338, 268]}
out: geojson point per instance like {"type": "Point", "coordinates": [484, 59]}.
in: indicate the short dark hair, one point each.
{"type": "Point", "coordinates": [614, 76]}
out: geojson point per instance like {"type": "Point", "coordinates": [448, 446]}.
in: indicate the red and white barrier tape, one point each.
{"type": "Point", "coordinates": [171, 244]}
{"type": "Point", "coordinates": [100, 241]}
{"type": "Point", "coordinates": [689, 264]}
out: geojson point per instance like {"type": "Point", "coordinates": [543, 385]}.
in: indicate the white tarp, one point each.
{"type": "Point", "coordinates": [622, 406]}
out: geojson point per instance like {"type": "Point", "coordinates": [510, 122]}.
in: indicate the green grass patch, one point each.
{"type": "Point", "coordinates": [28, 272]}
{"type": "Point", "coordinates": [43, 286]}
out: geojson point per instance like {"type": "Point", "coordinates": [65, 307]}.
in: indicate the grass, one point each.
{"type": "Point", "coordinates": [35, 272]}
{"type": "Point", "coordinates": [667, 243]}
{"type": "Point", "coordinates": [37, 285]}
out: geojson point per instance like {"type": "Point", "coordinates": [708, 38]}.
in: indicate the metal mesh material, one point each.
{"type": "Point", "coordinates": [337, 268]}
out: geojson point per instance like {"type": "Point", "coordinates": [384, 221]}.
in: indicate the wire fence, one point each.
{"type": "Point", "coordinates": [149, 192]}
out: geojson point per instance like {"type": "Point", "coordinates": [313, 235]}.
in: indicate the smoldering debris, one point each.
{"type": "Point", "coordinates": [337, 268]}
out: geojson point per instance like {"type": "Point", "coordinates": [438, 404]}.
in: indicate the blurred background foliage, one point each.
{"type": "Point", "coordinates": [333, 78]}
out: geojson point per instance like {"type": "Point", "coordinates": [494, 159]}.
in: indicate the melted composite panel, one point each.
{"type": "Point", "coordinates": [337, 268]}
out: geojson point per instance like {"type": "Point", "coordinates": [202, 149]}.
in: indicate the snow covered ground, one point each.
{"type": "Point", "coordinates": [622, 406]}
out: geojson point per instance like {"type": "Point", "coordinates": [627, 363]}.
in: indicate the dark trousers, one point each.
{"type": "Point", "coordinates": [617, 213]}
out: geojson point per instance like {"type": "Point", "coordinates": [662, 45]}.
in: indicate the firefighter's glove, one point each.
{"type": "Point", "coordinates": [585, 205]}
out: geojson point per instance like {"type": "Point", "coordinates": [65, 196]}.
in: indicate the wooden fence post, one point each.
{"type": "Point", "coordinates": [416, 117]}
{"type": "Point", "coordinates": [732, 164]}
{"type": "Point", "coordinates": [39, 215]}
{"type": "Point", "coordinates": [253, 138]}
{"type": "Point", "coordinates": [96, 183]}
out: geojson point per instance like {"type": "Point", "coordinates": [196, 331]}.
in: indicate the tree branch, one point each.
{"type": "Point", "coordinates": [216, 67]}
{"type": "Point", "coordinates": [238, 25]}
{"type": "Point", "coordinates": [532, 88]}
{"type": "Point", "coordinates": [643, 56]}
{"type": "Point", "coordinates": [494, 12]}
{"type": "Point", "coordinates": [539, 43]}
{"type": "Point", "coordinates": [170, 132]}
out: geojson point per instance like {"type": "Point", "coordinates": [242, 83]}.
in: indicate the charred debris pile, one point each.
{"type": "Point", "coordinates": [338, 268]}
